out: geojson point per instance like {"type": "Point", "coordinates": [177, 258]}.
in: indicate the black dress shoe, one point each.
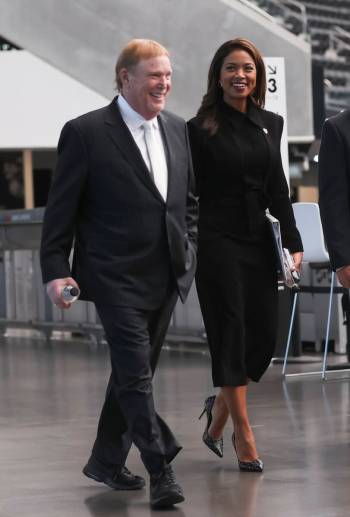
{"type": "Point", "coordinates": [164, 491]}
{"type": "Point", "coordinates": [215, 445]}
{"type": "Point", "coordinates": [116, 478]}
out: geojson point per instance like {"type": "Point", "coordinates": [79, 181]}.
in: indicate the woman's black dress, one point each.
{"type": "Point", "coordinates": [239, 174]}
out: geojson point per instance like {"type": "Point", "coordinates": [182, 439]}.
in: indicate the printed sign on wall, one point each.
{"type": "Point", "coordinates": [276, 100]}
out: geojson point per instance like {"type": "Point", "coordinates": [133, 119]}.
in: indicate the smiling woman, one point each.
{"type": "Point", "coordinates": [236, 156]}
{"type": "Point", "coordinates": [237, 61]}
{"type": "Point", "coordinates": [238, 79]}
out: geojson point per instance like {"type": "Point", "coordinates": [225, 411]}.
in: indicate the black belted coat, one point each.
{"type": "Point", "coordinates": [239, 174]}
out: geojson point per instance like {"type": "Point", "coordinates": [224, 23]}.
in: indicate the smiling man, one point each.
{"type": "Point", "coordinates": [123, 191]}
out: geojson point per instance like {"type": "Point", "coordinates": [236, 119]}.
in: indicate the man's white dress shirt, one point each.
{"type": "Point", "coordinates": [136, 125]}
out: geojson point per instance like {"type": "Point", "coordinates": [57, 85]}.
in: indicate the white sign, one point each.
{"type": "Point", "coordinates": [276, 100]}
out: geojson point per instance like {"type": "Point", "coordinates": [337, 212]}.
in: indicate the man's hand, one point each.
{"type": "Point", "coordinates": [54, 291]}
{"type": "Point", "coordinates": [297, 258]}
{"type": "Point", "coordinates": [344, 276]}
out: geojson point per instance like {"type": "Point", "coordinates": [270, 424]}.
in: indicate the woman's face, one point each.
{"type": "Point", "coordinates": [237, 77]}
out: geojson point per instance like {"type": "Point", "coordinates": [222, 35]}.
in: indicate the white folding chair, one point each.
{"type": "Point", "coordinates": [308, 220]}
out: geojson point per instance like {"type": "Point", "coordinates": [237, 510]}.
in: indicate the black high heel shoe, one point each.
{"type": "Point", "coordinates": [217, 446]}
{"type": "Point", "coordinates": [248, 466]}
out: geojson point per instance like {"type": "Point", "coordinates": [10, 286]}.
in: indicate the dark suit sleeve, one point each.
{"type": "Point", "coordinates": [280, 204]}
{"type": "Point", "coordinates": [192, 200]}
{"type": "Point", "coordinates": [63, 203]}
{"type": "Point", "coordinates": [334, 195]}
{"type": "Point", "coordinates": [196, 153]}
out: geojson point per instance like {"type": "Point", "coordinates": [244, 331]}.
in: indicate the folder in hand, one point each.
{"type": "Point", "coordinates": [287, 274]}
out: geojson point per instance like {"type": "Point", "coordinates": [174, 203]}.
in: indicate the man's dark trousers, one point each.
{"type": "Point", "coordinates": [135, 337]}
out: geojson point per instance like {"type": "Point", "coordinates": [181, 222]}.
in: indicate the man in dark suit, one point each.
{"type": "Point", "coordinates": [123, 190]}
{"type": "Point", "coordinates": [334, 186]}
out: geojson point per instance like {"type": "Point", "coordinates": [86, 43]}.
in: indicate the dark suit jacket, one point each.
{"type": "Point", "coordinates": [334, 187]}
{"type": "Point", "coordinates": [208, 154]}
{"type": "Point", "coordinates": [127, 241]}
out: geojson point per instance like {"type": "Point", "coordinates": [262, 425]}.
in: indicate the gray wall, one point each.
{"type": "Point", "coordinates": [83, 38]}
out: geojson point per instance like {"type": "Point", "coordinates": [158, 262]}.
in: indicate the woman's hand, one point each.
{"type": "Point", "coordinates": [343, 275]}
{"type": "Point", "coordinates": [297, 258]}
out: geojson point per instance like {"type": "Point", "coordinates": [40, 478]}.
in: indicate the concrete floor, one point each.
{"type": "Point", "coordinates": [50, 397]}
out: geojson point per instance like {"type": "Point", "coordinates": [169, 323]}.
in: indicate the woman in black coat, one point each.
{"type": "Point", "coordinates": [236, 154]}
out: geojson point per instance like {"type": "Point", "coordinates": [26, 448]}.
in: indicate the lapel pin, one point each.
{"type": "Point", "coordinates": [265, 131]}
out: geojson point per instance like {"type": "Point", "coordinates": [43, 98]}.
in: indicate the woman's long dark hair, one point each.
{"type": "Point", "coordinates": [208, 111]}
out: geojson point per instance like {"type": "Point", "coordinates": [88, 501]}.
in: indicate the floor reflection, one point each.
{"type": "Point", "coordinates": [50, 398]}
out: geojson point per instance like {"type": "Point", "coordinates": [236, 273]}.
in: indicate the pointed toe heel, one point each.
{"type": "Point", "coordinates": [217, 446]}
{"type": "Point", "coordinates": [248, 466]}
{"type": "Point", "coordinates": [251, 466]}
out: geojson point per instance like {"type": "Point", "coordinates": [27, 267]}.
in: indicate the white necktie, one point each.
{"type": "Point", "coordinates": [156, 159]}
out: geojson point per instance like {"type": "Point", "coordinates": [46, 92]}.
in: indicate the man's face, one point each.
{"type": "Point", "coordinates": [146, 86]}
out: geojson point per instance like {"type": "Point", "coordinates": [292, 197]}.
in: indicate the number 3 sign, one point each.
{"type": "Point", "coordinates": [276, 100]}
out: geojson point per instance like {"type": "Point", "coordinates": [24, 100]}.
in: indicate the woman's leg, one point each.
{"type": "Point", "coordinates": [236, 402]}
{"type": "Point", "coordinates": [220, 415]}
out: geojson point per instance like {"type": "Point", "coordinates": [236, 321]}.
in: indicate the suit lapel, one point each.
{"type": "Point", "coordinates": [255, 116]}
{"type": "Point", "coordinates": [169, 153]}
{"type": "Point", "coordinates": [121, 137]}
